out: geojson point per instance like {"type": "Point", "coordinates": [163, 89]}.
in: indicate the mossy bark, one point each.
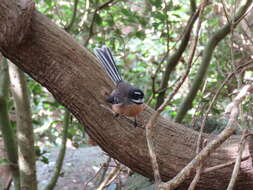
{"type": "Point", "coordinates": [5, 126]}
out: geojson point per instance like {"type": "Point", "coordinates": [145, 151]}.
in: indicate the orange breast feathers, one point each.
{"type": "Point", "coordinates": [130, 110]}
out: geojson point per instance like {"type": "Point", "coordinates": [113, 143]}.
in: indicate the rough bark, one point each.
{"type": "Point", "coordinates": [72, 74]}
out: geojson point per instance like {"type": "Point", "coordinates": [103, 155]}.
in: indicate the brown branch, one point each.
{"type": "Point", "coordinates": [217, 37]}
{"type": "Point", "coordinates": [193, 5]}
{"type": "Point", "coordinates": [220, 166]}
{"type": "Point", "coordinates": [110, 177]}
{"type": "Point", "coordinates": [151, 148]}
{"type": "Point", "coordinates": [244, 15]}
{"type": "Point", "coordinates": [225, 11]}
{"type": "Point", "coordinates": [202, 6]}
{"type": "Point", "coordinates": [103, 167]}
{"type": "Point", "coordinates": [238, 69]}
{"type": "Point", "coordinates": [198, 171]}
{"type": "Point", "coordinates": [174, 58]}
{"type": "Point", "coordinates": [238, 162]}
{"type": "Point", "coordinates": [233, 109]}
{"type": "Point", "coordinates": [104, 5]}
{"type": "Point", "coordinates": [69, 26]}
{"type": "Point", "coordinates": [150, 124]}
{"type": "Point", "coordinates": [250, 148]}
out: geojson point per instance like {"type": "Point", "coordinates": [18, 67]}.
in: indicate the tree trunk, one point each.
{"type": "Point", "coordinates": [72, 74]}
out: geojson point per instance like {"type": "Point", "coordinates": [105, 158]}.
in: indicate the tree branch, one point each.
{"type": "Point", "coordinates": [5, 126]}
{"type": "Point", "coordinates": [90, 34]}
{"type": "Point", "coordinates": [72, 21]}
{"type": "Point", "coordinates": [218, 167]}
{"type": "Point", "coordinates": [175, 57]}
{"type": "Point", "coordinates": [238, 162]}
{"type": "Point", "coordinates": [206, 58]}
{"type": "Point", "coordinates": [75, 78]}
{"type": "Point", "coordinates": [198, 171]}
{"type": "Point", "coordinates": [25, 137]}
{"type": "Point", "coordinates": [233, 110]}
{"type": "Point", "coordinates": [20, 20]}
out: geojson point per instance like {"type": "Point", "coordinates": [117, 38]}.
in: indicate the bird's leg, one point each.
{"type": "Point", "coordinates": [115, 115]}
{"type": "Point", "coordinates": [135, 122]}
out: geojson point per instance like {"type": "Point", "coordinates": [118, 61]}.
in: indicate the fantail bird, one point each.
{"type": "Point", "coordinates": [125, 98]}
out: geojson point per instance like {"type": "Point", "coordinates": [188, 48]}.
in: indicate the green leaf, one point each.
{"type": "Point", "coordinates": [156, 3]}
{"type": "Point", "coordinates": [4, 162]}
{"type": "Point", "coordinates": [159, 15]}
{"type": "Point", "coordinates": [49, 2]}
{"type": "Point", "coordinates": [98, 19]}
{"type": "Point", "coordinates": [140, 34]}
{"type": "Point", "coordinates": [126, 12]}
{"type": "Point", "coordinates": [44, 160]}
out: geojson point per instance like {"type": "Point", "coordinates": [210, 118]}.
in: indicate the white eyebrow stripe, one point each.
{"type": "Point", "coordinates": [138, 101]}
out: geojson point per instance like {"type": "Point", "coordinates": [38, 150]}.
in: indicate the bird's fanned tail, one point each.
{"type": "Point", "coordinates": [106, 59]}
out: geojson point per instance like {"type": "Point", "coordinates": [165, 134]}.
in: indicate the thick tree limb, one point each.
{"type": "Point", "coordinates": [15, 18]}
{"type": "Point", "coordinates": [73, 75]}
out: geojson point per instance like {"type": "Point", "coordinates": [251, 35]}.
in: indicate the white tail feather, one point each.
{"type": "Point", "coordinates": [106, 59]}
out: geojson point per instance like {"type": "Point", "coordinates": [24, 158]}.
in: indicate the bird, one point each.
{"type": "Point", "coordinates": [125, 99]}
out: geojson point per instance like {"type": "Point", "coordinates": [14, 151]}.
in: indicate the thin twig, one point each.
{"type": "Point", "coordinates": [238, 162]}
{"type": "Point", "coordinates": [220, 166]}
{"type": "Point", "coordinates": [151, 148]}
{"type": "Point", "coordinates": [153, 76]}
{"type": "Point", "coordinates": [225, 11]}
{"type": "Point", "coordinates": [150, 124]}
{"type": "Point", "coordinates": [238, 69]}
{"type": "Point", "coordinates": [110, 177]}
{"type": "Point", "coordinates": [244, 15]}
{"type": "Point", "coordinates": [182, 79]}
{"type": "Point", "coordinates": [173, 60]}
{"type": "Point", "coordinates": [104, 166]}
{"type": "Point", "coordinates": [214, 144]}
{"type": "Point", "coordinates": [69, 26]}
{"type": "Point", "coordinates": [90, 34]}
{"type": "Point", "coordinates": [217, 93]}
{"type": "Point", "coordinates": [198, 171]}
